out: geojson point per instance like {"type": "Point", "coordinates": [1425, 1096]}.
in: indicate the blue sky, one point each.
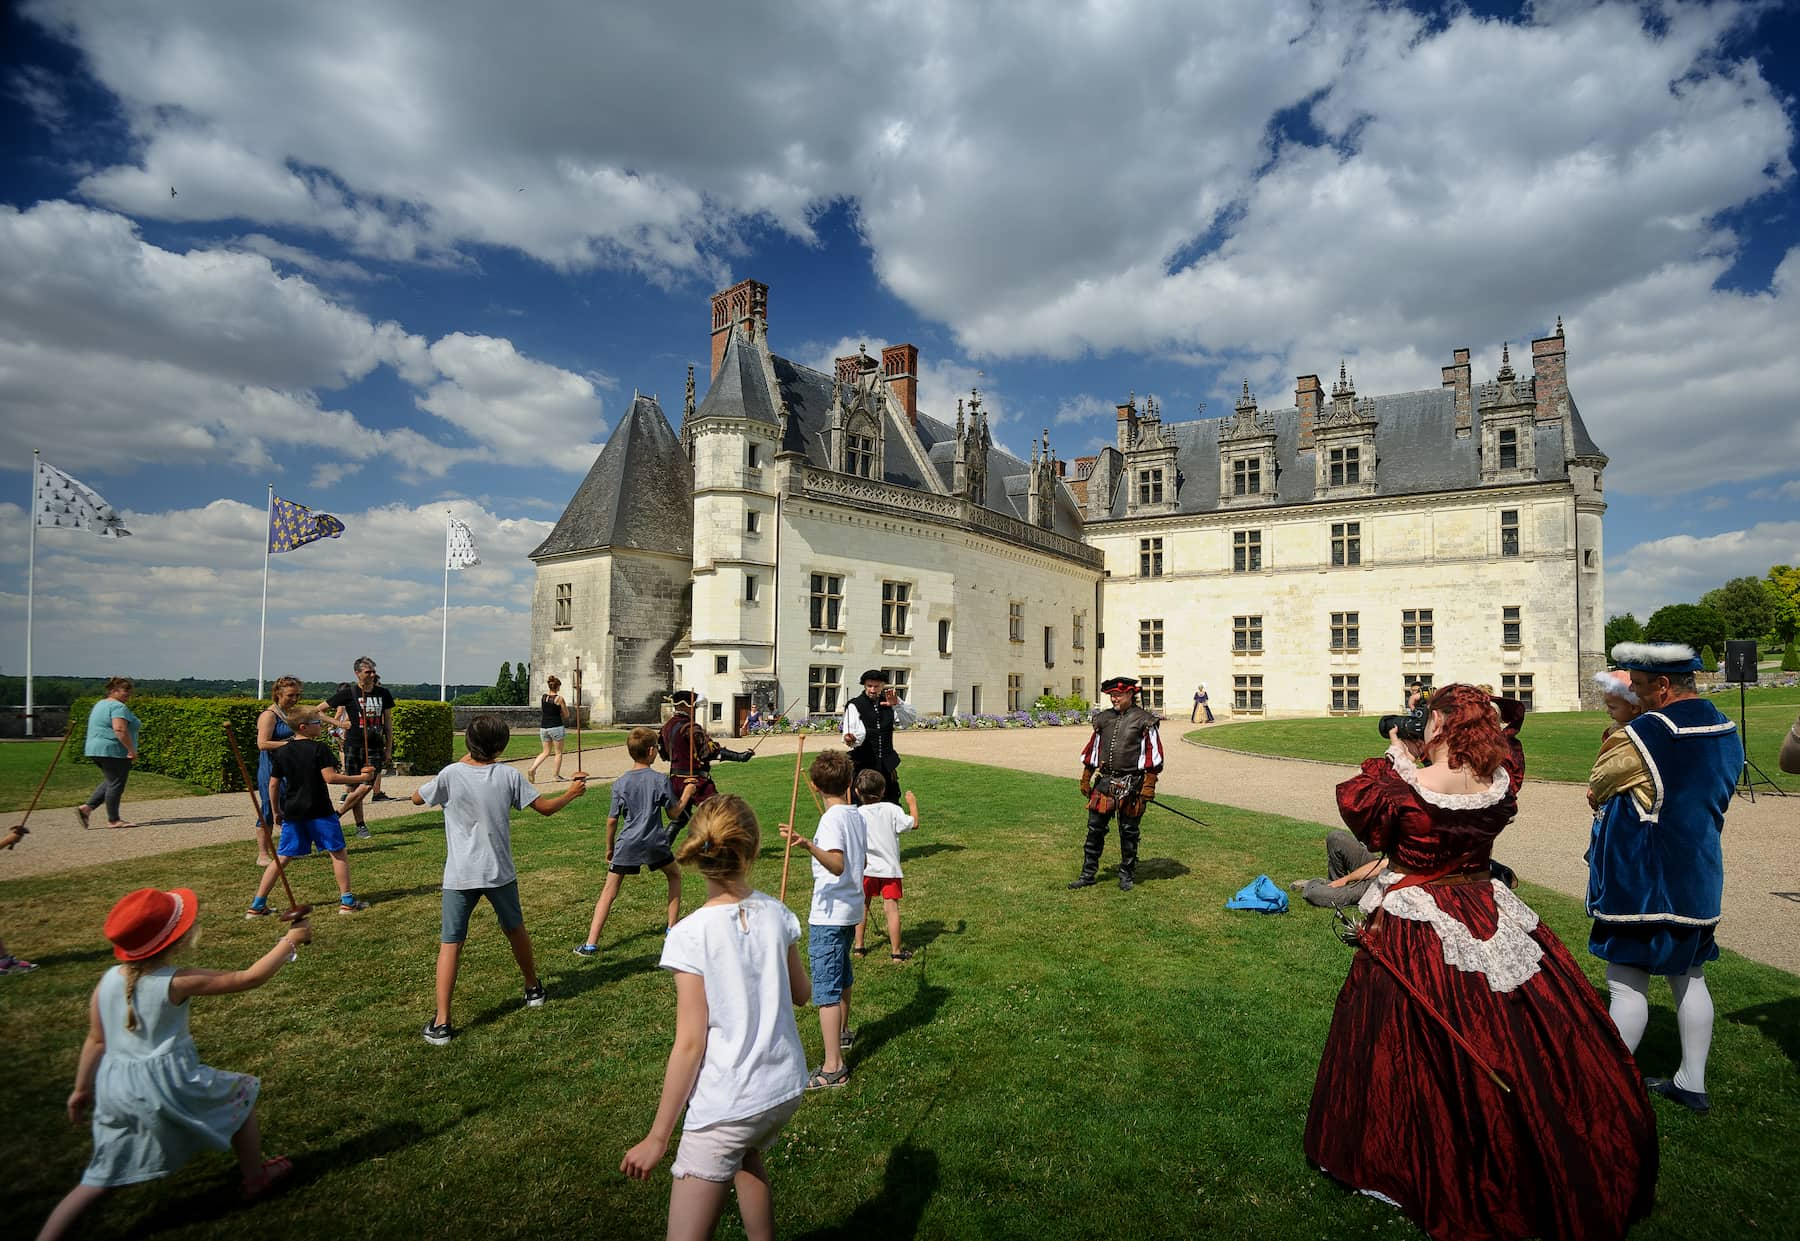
{"type": "Point", "coordinates": [418, 260]}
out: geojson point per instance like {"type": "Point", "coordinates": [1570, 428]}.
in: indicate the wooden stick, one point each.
{"type": "Point", "coordinates": [578, 766]}
{"type": "Point", "coordinates": [793, 806]}
{"type": "Point", "coordinates": [60, 746]}
{"type": "Point", "coordinates": [295, 910]}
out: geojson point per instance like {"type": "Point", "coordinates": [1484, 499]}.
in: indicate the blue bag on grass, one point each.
{"type": "Point", "coordinates": [1260, 895]}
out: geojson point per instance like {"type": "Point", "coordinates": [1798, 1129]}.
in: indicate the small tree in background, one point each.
{"type": "Point", "coordinates": [1745, 604]}
{"type": "Point", "coordinates": [1783, 587]}
{"type": "Point", "coordinates": [1790, 659]}
{"type": "Point", "coordinates": [1709, 662]}
{"type": "Point", "coordinates": [1691, 624]}
{"type": "Point", "coordinates": [1623, 629]}
{"type": "Point", "coordinates": [521, 686]}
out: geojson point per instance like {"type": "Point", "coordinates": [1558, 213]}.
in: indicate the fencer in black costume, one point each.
{"type": "Point", "coordinates": [1119, 767]}
{"type": "Point", "coordinates": [868, 727]}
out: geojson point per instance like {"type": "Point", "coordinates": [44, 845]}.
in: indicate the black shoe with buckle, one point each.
{"type": "Point", "coordinates": [1083, 881]}
{"type": "Point", "coordinates": [1124, 883]}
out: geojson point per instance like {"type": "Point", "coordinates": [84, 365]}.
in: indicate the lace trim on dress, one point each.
{"type": "Point", "coordinates": [1508, 959]}
{"type": "Point", "coordinates": [1408, 770]}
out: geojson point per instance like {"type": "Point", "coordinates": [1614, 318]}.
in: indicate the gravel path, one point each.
{"type": "Point", "coordinates": [1544, 844]}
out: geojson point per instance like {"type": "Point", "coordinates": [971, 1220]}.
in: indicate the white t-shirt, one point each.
{"type": "Point", "coordinates": [884, 822]}
{"type": "Point", "coordinates": [837, 900]}
{"type": "Point", "coordinates": [478, 803]}
{"type": "Point", "coordinates": [753, 1059]}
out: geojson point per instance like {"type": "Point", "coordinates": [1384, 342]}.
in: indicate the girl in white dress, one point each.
{"type": "Point", "coordinates": [155, 1105]}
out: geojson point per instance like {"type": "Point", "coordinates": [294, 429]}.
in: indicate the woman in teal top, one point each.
{"type": "Point", "coordinates": [112, 736]}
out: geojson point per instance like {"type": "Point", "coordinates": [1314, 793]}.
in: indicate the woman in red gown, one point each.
{"type": "Point", "coordinates": [1402, 1108]}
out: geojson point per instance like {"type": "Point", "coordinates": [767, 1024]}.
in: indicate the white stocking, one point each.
{"type": "Point", "coordinates": [1629, 990]}
{"type": "Point", "coordinates": [1694, 1018]}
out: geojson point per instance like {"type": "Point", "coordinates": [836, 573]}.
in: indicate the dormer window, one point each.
{"type": "Point", "coordinates": [1509, 449]}
{"type": "Point", "coordinates": [1345, 466]}
{"type": "Point", "coordinates": [1246, 476]}
{"type": "Point", "coordinates": [1150, 486]}
{"type": "Point", "coordinates": [859, 455]}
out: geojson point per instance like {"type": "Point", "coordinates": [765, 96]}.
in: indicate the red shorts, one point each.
{"type": "Point", "coordinates": [877, 885]}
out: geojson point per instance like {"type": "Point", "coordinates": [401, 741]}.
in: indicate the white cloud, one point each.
{"type": "Point", "coordinates": [1682, 567]}
{"type": "Point", "coordinates": [305, 260]}
{"type": "Point", "coordinates": [1081, 408]}
{"type": "Point", "coordinates": [330, 473]}
{"type": "Point", "coordinates": [525, 410]}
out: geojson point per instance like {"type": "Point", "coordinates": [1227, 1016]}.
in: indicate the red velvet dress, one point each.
{"type": "Point", "coordinates": [1401, 1110]}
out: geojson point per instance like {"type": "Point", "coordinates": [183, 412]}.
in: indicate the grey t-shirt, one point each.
{"type": "Point", "coordinates": [638, 800]}
{"type": "Point", "coordinates": [478, 802]}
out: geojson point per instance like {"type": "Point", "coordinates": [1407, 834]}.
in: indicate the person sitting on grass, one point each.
{"type": "Point", "coordinates": [155, 1105]}
{"type": "Point", "coordinates": [639, 797]}
{"type": "Point", "coordinates": [1349, 870]}
{"type": "Point", "coordinates": [838, 849]}
{"type": "Point", "coordinates": [881, 873]}
{"type": "Point", "coordinates": [478, 794]}
{"type": "Point", "coordinates": [737, 1065]}
{"type": "Point", "coordinates": [304, 817]}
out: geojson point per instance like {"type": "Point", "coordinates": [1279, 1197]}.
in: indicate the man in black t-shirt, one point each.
{"type": "Point", "coordinates": [365, 709]}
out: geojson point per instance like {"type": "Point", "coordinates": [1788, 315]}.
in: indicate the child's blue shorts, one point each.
{"type": "Point", "coordinates": [301, 837]}
{"type": "Point", "coordinates": [828, 951]}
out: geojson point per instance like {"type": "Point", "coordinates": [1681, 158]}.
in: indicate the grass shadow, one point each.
{"type": "Point", "coordinates": [1778, 1021]}
{"type": "Point", "coordinates": [936, 847]}
{"type": "Point", "coordinates": [907, 1185]}
{"type": "Point", "coordinates": [569, 981]}
{"type": "Point", "coordinates": [1153, 869]}
{"type": "Point", "coordinates": [922, 934]}
{"type": "Point", "coordinates": [926, 999]}
{"type": "Point", "coordinates": [394, 894]}
{"type": "Point", "coordinates": [198, 818]}
{"type": "Point", "coordinates": [72, 958]}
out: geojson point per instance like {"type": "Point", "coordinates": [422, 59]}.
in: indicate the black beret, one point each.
{"type": "Point", "coordinates": [875, 674]}
{"type": "Point", "coordinates": [684, 697]}
{"type": "Point", "coordinates": [1112, 683]}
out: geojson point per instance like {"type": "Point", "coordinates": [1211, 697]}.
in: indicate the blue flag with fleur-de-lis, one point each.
{"type": "Point", "coordinates": [294, 525]}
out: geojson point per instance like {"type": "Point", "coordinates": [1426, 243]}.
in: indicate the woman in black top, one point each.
{"type": "Point", "coordinates": [550, 728]}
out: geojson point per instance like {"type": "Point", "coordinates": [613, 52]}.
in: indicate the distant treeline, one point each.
{"type": "Point", "coordinates": [61, 691]}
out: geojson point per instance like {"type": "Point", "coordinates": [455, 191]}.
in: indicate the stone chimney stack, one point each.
{"type": "Point", "coordinates": [900, 365]}
{"type": "Point", "coordinates": [1308, 397]}
{"type": "Point", "coordinates": [1549, 364]}
{"type": "Point", "coordinates": [744, 307]}
{"type": "Point", "coordinates": [1456, 376]}
{"type": "Point", "coordinates": [1128, 424]}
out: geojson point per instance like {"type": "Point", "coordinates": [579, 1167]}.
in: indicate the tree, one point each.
{"type": "Point", "coordinates": [1623, 629]}
{"type": "Point", "coordinates": [1709, 661]}
{"type": "Point", "coordinates": [504, 682]}
{"type": "Point", "coordinates": [1783, 586]}
{"type": "Point", "coordinates": [1745, 604]}
{"type": "Point", "coordinates": [1693, 624]}
{"type": "Point", "coordinates": [521, 686]}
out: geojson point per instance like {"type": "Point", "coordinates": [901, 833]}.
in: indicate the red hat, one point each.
{"type": "Point", "coordinates": [146, 921]}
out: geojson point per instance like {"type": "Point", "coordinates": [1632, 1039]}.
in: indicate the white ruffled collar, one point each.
{"type": "Point", "coordinates": [1408, 771]}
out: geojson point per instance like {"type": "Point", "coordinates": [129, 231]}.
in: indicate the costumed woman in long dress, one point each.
{"type": "Point", "coordinates": [1456, 983]}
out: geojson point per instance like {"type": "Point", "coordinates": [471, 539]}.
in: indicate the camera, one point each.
{"type": "Point", "coordinates": [1409, 727]}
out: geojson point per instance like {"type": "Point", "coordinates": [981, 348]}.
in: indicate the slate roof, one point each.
{"type": "Point", "coordinates": [635, 495]}
{"type": "Point", "coordinates": [1416, 451]}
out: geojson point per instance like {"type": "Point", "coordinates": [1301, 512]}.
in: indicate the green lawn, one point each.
{"type": "Point", "coordinates": [1559, 745]}
{"type": "Point", "coordinates": [22, 765]}
{"type": "Point", "coordinates": [1052, 1065]}
{"type": "Point", "coordinates": [525, 744]}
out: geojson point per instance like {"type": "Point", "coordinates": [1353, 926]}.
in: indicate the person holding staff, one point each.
{"type": "Point", "coordinates": [112, 736]}
{"type": "Point", "coordinates": [868, 728]}
{"type": "Point", "coordinates": [690, 752]}
{"type": "Point", "coordinates": [368, 738]}
{"type": "Point", "coordinates": [553, 714]}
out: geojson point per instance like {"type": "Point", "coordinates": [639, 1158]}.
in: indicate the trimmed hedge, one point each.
{"type": "Point", "coordinates": [184, 737]}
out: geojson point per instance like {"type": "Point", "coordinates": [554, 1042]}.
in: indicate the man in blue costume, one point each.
{"type": "Point", "coordinates": [1656, 871]}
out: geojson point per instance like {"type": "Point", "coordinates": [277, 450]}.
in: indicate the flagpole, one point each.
{"type": "Point", "coordinates": [444, 655]}
{"type": "Point", "coordinates": [30, 593]}
{"type": "Point", "coordinates": [262, 641]}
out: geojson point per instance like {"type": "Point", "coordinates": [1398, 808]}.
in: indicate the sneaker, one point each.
{"type": "Point", "coordinates": [381, 797]}
{"type": "Point", "coordinates": [257, 911]}
{"type": "Point", "coordinates": [352, 907]}
{"type": "Point", "coordinates": [438, 1035]}
{"type": "Point", "coordinates": [588, 950]}
{"type": "Point", "coordinates": [14, 965]}
{"type": "Point", "coordinates": [363, 832]}
{"type": "Point", "coordinates": [534, 996]}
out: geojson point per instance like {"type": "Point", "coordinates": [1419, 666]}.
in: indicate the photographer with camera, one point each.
{"type": "Point", "coordinates": [868, 728]}
{"type": "Point", "coordinates": [1457, 987]}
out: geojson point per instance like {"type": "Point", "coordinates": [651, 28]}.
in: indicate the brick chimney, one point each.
{"type": "Point", "coordinates": [847, 368]}
{"type": "Point", "coordinates": [1128, 425]}
{"type": "Point", "coordinates": [900, 366]}
{"type": "Point", "coordinates": [1308, 396]}
{"type": "Point", "coordinates": [1456, 376]}
{"type": "Point", "coordinates": [743, 307]}
{"type": "Point", "coordinates": [1549, 365]}
{"type": "Point", "coordinates": [1061, 467]}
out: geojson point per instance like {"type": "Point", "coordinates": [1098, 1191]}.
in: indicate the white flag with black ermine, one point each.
{"type": "Point", "coordinates": [65, 503]}
{"type": "Point", "coordinates": [462, 552]}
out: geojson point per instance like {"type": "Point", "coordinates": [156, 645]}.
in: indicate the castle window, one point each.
{"type": "Point", "coordinates": [1015, 621]}
{"type": "Point", "coordinates": [1246, 634]}
{"type": "Point", "coordinates": [944, 636]}
{"type": "Point", "coordinates": [1150, 486]}
{"type": "Point", "coordinates": [1246, 551]}
{"type": "Point", "coordinates": [859, 455]}
{"type": "Point", "coordinates": [1246, 476]}
{"type": "Point", "coordinates": [827, 602]}
{"type": "Point", "coordinates": [721, 664]}
{"type": "Point", "coordinates": [1078, 631]}
{"type": "Point", "coordinates": [749, 588]}
{"type": "Point", "coordinates": [974, 700]}
{"type": "Point", "coordinates": [1346, 631]}
{"type": "Point", "coordinates": [1517, 685]}
{"type": "Point", "coordinates": [1150, 557]}
{"type": "Point", "coordinates": [1412, 681]}
{"type": "Point", "coordinates": [1346, 692]}
{"type": "Point", "coordinates": [718, 711]}
{"type": "Point", "coordinates": [565, 606]}
{"type": "Point", "coordinates": [899, 680]}
{"type": "Point", "coordinates": [1415, 629]}
{"type": "Point", "coordinates": [1015, 688]}
{"type": "Point", "coordinates": [1150, 637]}
{"type": "Point", "coordinates": [1049, 646]}
{"type": "Point", "coordinates": [1345, 466]}
{"type": "Point", "coordinates": [1151, 693]}
{"type": "Point", "coordinates": [1511, 628]}
{"type": "Point", "coordinates": [752, 522]}
{"type": "Point", "coordinates": [753, 456]}
{"type": "Point", "coordinates": [896, 604]}
{"type": "Point", "coordinates": [1076, 686]}
{"type": "Point", "coordinates": [1509, 449]}
{"type": "Point", "coordinates": [1346, 543]}
{"type": "Point", "coordinates": [949, 702]}
{"type": "Point", "coordinates": [1246, 693]}
{"type": "Point", "coordinates": [1509, 532]}
{"type": "Point", "coordinates": [822, 686]}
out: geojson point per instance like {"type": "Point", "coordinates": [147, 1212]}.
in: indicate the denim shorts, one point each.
{"type": "Point", "coordinates": [459, 903]}
{"type": "Point", "coordinates": [828, 952]}
{"type": "Point", "coordinates": [552, 734]}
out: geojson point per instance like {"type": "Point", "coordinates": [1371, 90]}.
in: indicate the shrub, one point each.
{"type": "Point", "coordinates": [1051, 702]}
{"type": "Point", "coordinates": [1709, 662]}
{"type": "Point", "coordinates": [184, 738]}
{"type": "Point", "coordinates": [423, 733]}
{"type": "Point", "coordinates": [1790, 658]}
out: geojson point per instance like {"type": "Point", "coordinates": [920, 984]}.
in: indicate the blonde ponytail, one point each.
{"type": "Point", "coordinates": [723, 839]}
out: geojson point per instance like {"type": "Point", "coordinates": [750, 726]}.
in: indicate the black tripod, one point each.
{"type": "Point", "coordinates": [1751, 775]}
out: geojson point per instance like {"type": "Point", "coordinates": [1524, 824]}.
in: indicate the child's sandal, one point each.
{"type": "Point", "coordinates": [861, 952]}
{"type": "Point", "coordinates": [273, 1172]}
{"type": "Point", "coordinates": [905, 954]}
{"type": "Point", "coordinates": [821, 1080]}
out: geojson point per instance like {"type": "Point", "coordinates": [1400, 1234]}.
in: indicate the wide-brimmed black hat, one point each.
{"type": "Point", "coordinates": [682, 697]}
{"type": "Point", "coordinates": [875, 674]}
{"type": "Point", "coordinates": [1111, 683]}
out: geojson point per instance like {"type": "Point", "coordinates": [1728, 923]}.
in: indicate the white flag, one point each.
{"type": "Point", "coordinates": [67, 504]}
{"type": "Point", "coordinates": [461, 552]}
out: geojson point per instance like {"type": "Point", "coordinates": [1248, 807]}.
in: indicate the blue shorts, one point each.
{"type": "Point", "coordinates": [828, 952]}
{"type": "Point", "coordinates": [299, 838]}
{"type": "Point", "coordinates": [459, 903]}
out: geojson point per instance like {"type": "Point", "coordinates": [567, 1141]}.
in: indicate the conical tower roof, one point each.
{"type": "Point", "coordinates": [638, 493]}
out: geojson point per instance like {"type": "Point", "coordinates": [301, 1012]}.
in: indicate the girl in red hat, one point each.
{"type": "Point", "coordinates": [155, 1105]}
